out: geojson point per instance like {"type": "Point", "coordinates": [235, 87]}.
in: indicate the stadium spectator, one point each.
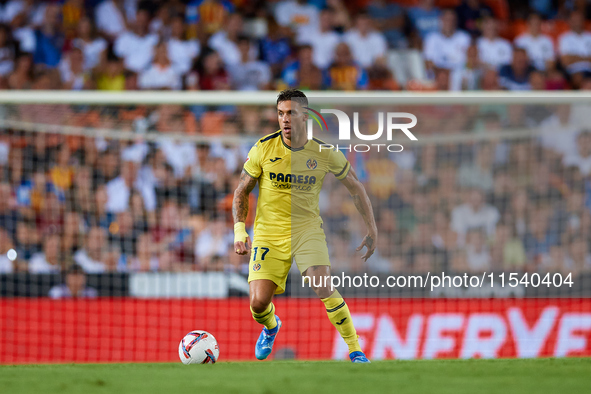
{"type": "Point", "coordinates": [302, 72]}
{"type": "Point", "coordinates": [144, 260]}
{"type": "Point", "coordinates": [366, 44]}
{"type": "Point", "coordinates": [225, 42]}
{"type": "Point", "coordinates": [537, 80]}
{"type": "Point", "coordinates": [559, 134]}
{"type": "Point", "coordinates": [515, 76]}
{"type": "Point", "coordinates": [380, 76]}
{"type": "Point", "coordinates": [490, 80]}
{"type": "Point", "coordinates": [23, 34]}
{"type": "Point", "coordinates": [74, 285]}
{"type": "Point", "coordinates": [211, 73]}
{"type": "Point", "coordinates": [478, 254]}
{"type": "Point", "coordinates": [15, 167]}
{"type": "Point", "coordinates": [113, 17]}
{"type": "Point", "coordinates": [471, 14]}
{"type": "Point", "coordinates": [73, 12]}
{"type": "Point", "coordinates": [582, 159]}
{"type": "Point", "coordinates": [574, 48]}
{"type": "Point", "coordinates": [49, 40]}
{"type": "Point", "coordinates": [275, 47]}
{"type": "Point", "coordinates": [249, 74]}
{"type": "Point", "coordinates": [71, 237]}
{"type": "Point", "coordinates": [111, 76]}
{"type": "Point", "coordinates": [474, 213]}
{"type": "Point", "coordinates": [479, 173]}
{"type": "Point", "coordinates": [136, 46]}
{"type": "Point", "coordinates": [93, 257]}
{"type": "Point", "coordinates": [573, 217]}
{"type": "Point", "coordinates": [324, 41]}
{"type": "Point", "coordinates": [578, 258]}
{"type": "Point", "coordinates": [301, 17]}
{"type": "Point", "coordinates": [6, 264]}
{"type": "Point", "coordinates": [539, 47]}
{"type": "Point", "coordinates": [555, 80]}
{"type": "Point", "coordinates": [9, 216]}
{"type": "Point", "coordinates": [344, 73]}
{"type": "Point", "coordinates": [62, 173]}
{"type": "Point", "coordinates": [493, 50]}
{"type": "Point", "coordinates": [425, 18]}
{"type": "Point", "coordinates": [209, 16]}
{"type": "Point", "coordinates": [507, 251]}
{"type": "Point", "coordinates": [543, 189]}
{"type": "Point", "coordinates": [446, 48]}
{"type": "Point", "coordinates": [443, 239]}
{"type": "Point", "coordinates": [49, 259]}
{"type": "Point", "coordinates": [421, 245]}
{"type": "Point", "coordinates": [161, 74]}
{"type": "Point", "coordinates": [341, 15]}
{"type": "Point", "coordinates": [7, 51]}
{"type": "Point", "coordinates": [119, 189]}
{"type": "Point", "coordinates": [469, 76]}
{"type": "Point", "coordinates": [180, 155]}
{"type": "Point", "coordinates": [142, 220]}
{"type": "Point", "coordinates": [108, 162]}
{"type": "Point", "coordinates": [37, 152]}
{"type": "Point", "coordinates": [212, 241]}
{"type": "Point", "coordinates": [135, 151]}
{"type": "Point", "coordinates": [98, 215]}
{"type": "Point", "coordinates": [122, 235]}
{"type": "Point", "coordinates": [389, 19]}
{"type": "Point", "coordinates": [160, 23]}
{"type": "Point", "coordinates": [32, 192]}
{"type": "Point", "coordinates": [72, 73]}
{"type": "Point", "coordinates": [174, 238]}
{"type": "Point", "coordinates": [27, 240]}
{"type": "Point", "coordinates": [93, 47]}
{"type": "Point", "coordinates": [181, 52]}
{"type": "Point", "coordinates": [540, 236]}
{"type": "Point", "coordinates": [33, 11]}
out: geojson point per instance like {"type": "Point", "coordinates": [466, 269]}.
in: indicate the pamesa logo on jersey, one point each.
{"type": "Point", "coordinates": [283, 181]}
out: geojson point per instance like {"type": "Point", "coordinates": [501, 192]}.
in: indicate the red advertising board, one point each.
{"type": "Point", "coordinates": [145, 330]}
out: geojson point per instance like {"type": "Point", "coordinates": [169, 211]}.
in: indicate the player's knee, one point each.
{"type": "Point", "coordinates": [324, 292]}
{"type": "Point", "coordinates": [258, 305]}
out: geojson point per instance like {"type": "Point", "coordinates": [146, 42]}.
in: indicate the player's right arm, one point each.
{"type": "Point", "coordinates": [240, 212]}
{"type": "Point", "coordinates": [248, 180]}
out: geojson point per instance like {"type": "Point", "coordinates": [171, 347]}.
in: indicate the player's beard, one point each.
{"type": "Point", "coordinates": [298, 135]}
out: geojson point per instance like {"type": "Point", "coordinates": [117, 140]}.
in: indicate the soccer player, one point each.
{"type": "Point", "coordinates": [290, 170]}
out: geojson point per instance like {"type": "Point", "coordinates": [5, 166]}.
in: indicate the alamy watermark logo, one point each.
{"type": "Point", "coordinates": [344, 123]}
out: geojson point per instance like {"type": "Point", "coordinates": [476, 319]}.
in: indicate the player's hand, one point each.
{"type": "Point", "coordinates": [370, 243]}
{"type": "Point", "coordinates": [241, 239]}
{"type": "Point", "coordinates": [242, 248]}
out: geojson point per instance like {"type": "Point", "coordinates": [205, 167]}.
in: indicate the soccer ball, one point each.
{"type": "Point", "coordinates": [199, 347]}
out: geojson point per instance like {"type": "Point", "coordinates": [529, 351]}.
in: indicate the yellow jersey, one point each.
{"type": "Point", "coordinates": [290, 181]}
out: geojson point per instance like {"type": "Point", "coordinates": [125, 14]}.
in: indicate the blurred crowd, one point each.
{"type": "Point", "coordinates": [476, 203]}
{"type": "Point", "coordinates": [315, 44]}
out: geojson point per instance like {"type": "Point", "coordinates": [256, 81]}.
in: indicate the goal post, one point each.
{"type": "Point", "coordinates": [116, 225]}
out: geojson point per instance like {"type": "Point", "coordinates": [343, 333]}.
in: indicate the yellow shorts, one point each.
{"type": "Point", "coordinates": [272, 259]}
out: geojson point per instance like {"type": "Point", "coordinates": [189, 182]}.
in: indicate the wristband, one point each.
{"type": "Point", "coordinates": [240, 233]}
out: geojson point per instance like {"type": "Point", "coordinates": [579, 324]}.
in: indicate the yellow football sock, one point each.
{"type": "Point", "coordinates": [266, 318]}
{"type": "Point", "coordinates": [340, 317]}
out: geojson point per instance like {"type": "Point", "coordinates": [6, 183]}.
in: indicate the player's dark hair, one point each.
{"type": "Point", "coordinates": [293, 94]}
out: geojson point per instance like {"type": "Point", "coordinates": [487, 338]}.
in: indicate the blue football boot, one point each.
{"type": "Point", "coordinates": [265, 342]}
{"type": "Point", "coordinates": [358, 357]}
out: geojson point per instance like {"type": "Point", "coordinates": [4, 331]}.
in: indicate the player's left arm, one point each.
{"type": "Point", "coordinates": [363, 205]}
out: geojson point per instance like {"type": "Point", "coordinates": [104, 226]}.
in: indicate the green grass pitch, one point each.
{"type": "Point", "coordinates": [454, 376]}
